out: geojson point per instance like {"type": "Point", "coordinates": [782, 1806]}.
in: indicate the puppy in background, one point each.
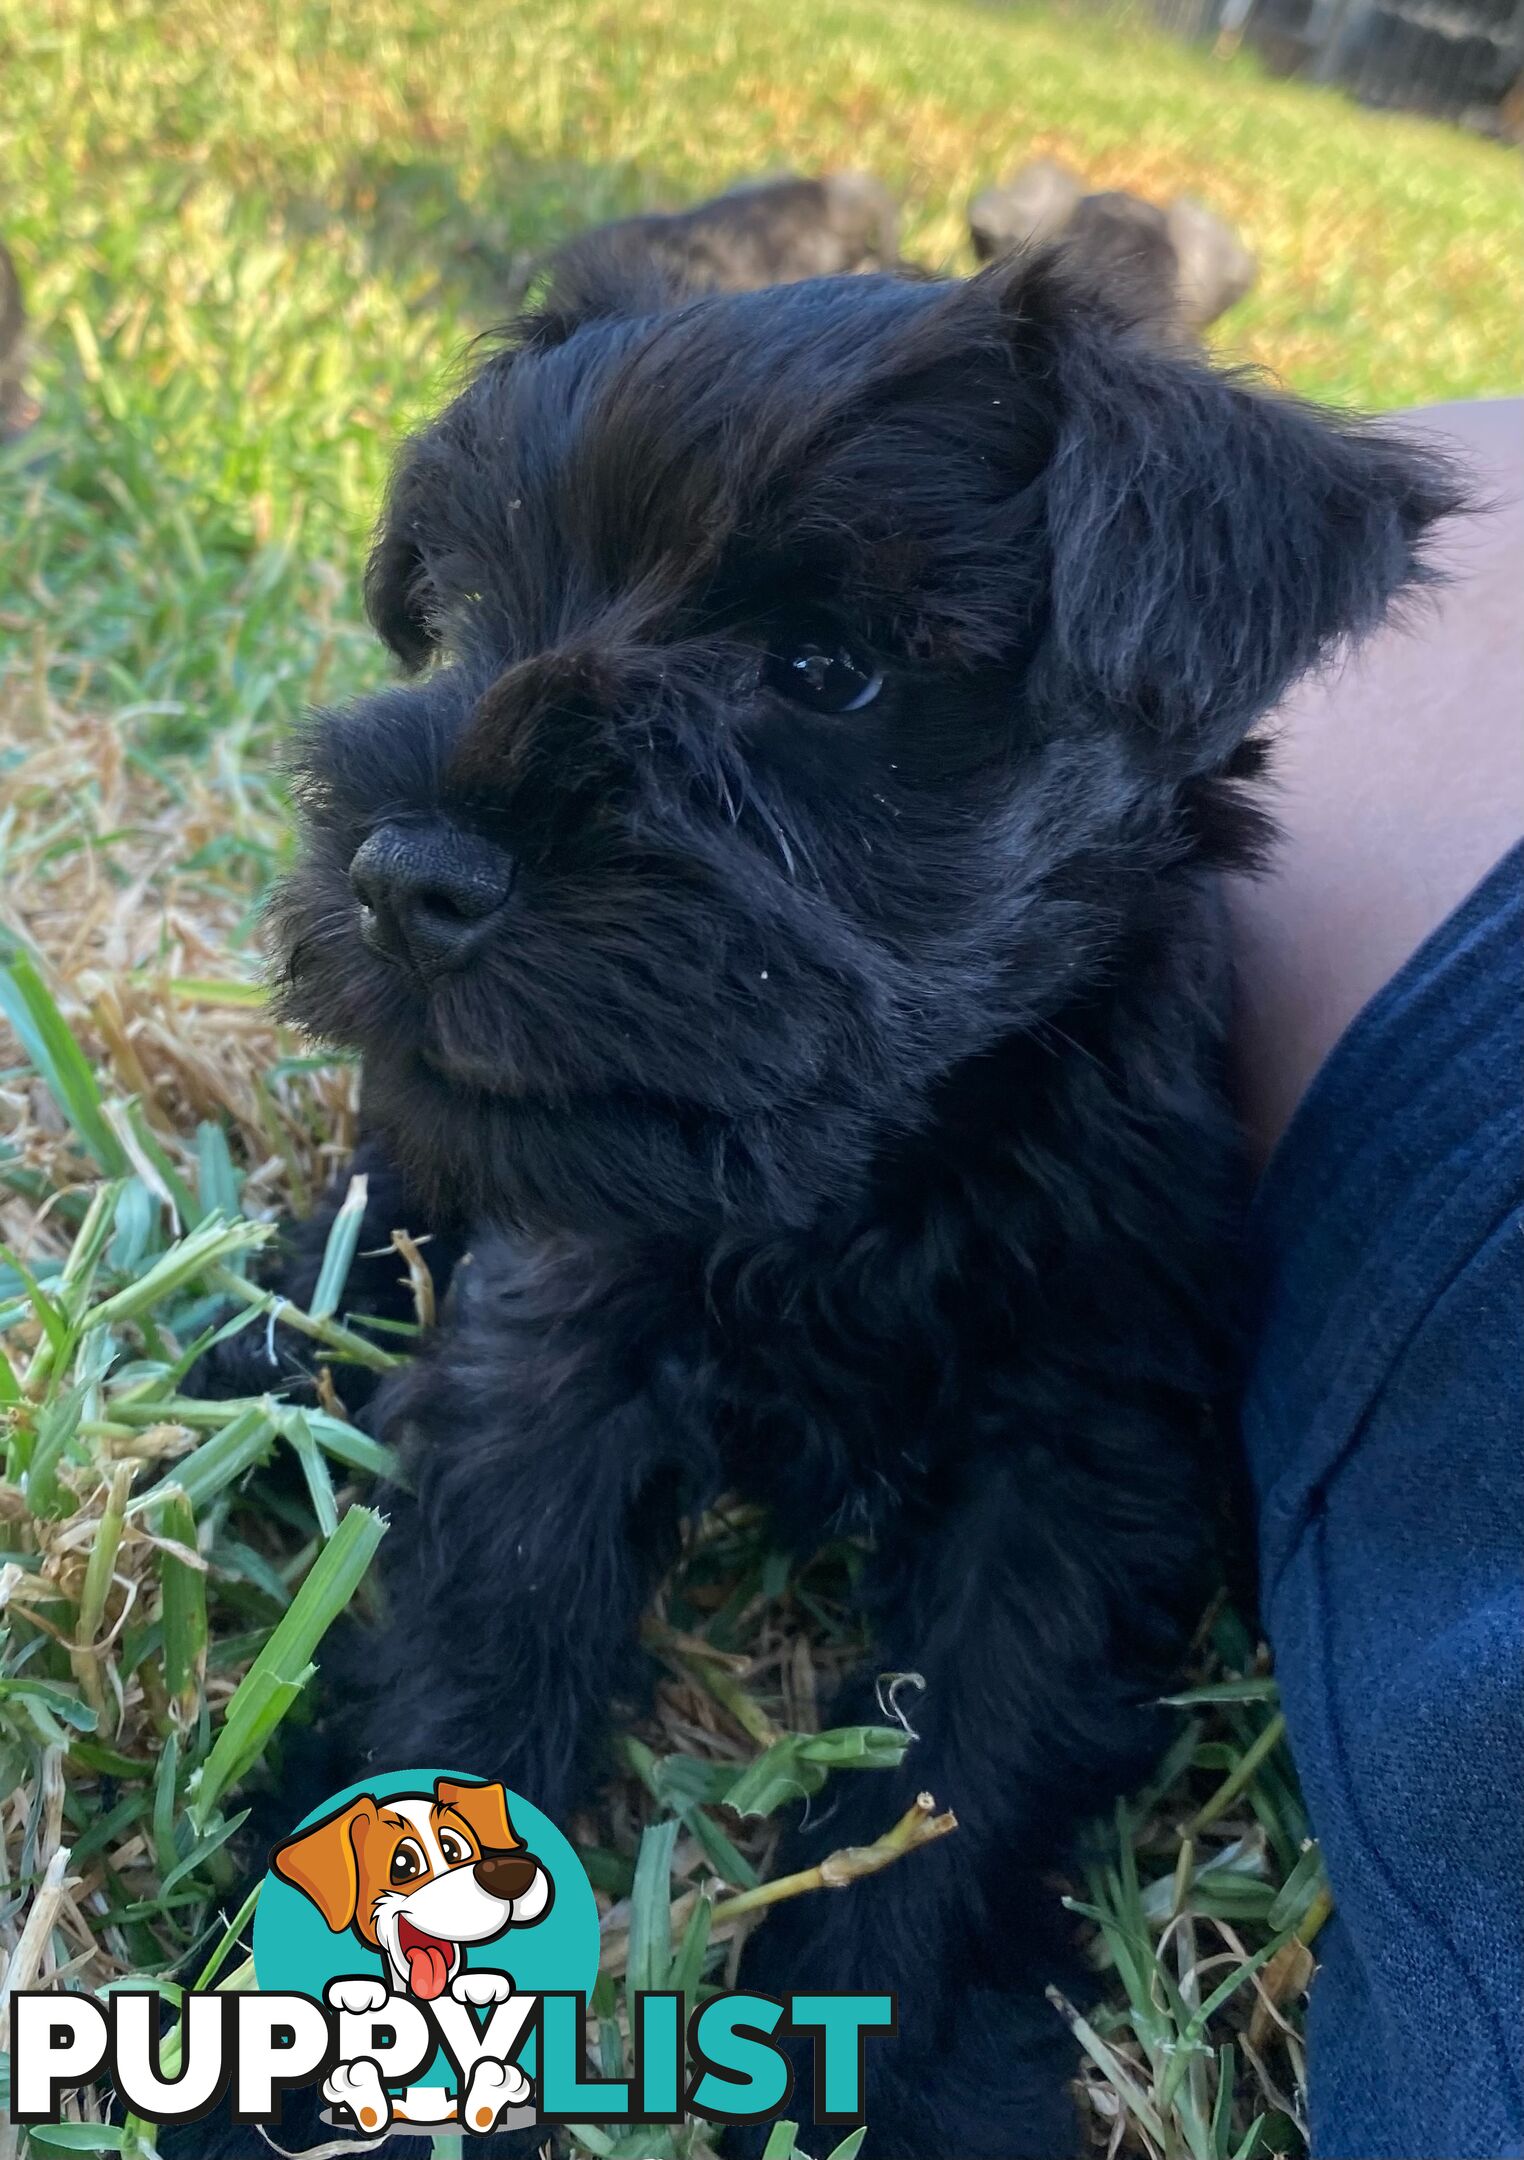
{"type": "Point", "coordinates": [760, 232]}
{"type": "Point", "coordinates": [776, 914]}
{"type": "Point", "coordinates": [1181, 266]}
{"type": "Point", "coordinates": [17, 410]}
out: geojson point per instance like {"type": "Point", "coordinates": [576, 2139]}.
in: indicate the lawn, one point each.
{"type": "Point", "coordinates": [256, 239]}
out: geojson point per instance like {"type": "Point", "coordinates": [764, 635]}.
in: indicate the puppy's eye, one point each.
{"type": "Point", "coordinates": [408, 1862]}
{"type": "Point", "coordinates": [823, 672]}
{"type": "Point", "coordinates": [454, 1847]}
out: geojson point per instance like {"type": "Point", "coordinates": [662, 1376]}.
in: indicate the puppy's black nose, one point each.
{"type": "Point", "coordinates": [429, 893]}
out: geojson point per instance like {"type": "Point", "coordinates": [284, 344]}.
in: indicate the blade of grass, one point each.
{"type": "Point", "coordinates": [283, 1667]}
{"type": "Point", "coordinates": [339, 1252]}
{"type": "Point", "coordinates": [182, 1586]}
{"type": "Point", "coordinates": [217, 1463]}
{"type": "Point", "coordinates": [650, 1953]}
{"type": "Point", "coordinates": [49, 1043]}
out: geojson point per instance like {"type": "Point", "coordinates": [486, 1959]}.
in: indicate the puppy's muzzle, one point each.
{"type": "Point", "coordinates": [429, 893]}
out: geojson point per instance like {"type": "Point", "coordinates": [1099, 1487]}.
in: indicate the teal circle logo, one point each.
{"type": "Point", "coordinates": [427, 1902]}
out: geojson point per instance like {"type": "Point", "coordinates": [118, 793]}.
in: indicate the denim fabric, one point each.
{"type": "Point", "coordinates": [1384, 1423]}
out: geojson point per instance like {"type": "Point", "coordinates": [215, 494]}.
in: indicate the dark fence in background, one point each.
{"type": "Point", "coordinates": [1459, 59]}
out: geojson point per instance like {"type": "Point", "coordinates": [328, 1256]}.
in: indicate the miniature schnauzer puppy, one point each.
{"type": "Point", "coordinates": [776, 919]}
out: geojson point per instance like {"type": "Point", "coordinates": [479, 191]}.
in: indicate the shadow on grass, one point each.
{"type": "Point", "coordinates": [473, 254]}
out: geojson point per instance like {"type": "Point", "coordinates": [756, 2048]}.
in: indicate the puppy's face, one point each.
{"type": "Point", "coordinates": [419, 1875]}
{"type": "Point", "coordinates": [817, 685]}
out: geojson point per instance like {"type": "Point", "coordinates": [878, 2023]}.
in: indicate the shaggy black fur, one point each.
{"type": "Point", "coordinates": [827, 1081]}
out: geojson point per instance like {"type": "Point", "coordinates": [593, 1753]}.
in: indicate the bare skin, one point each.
{"type": "Point", "coordinates": [1400, 781]}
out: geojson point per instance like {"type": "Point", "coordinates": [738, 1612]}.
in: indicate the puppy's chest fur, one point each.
{"type": "Point", "coordinates": [1064, 1227]}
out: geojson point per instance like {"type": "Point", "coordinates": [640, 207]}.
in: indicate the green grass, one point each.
{"type": "Point", "coordinates": [256, 241]}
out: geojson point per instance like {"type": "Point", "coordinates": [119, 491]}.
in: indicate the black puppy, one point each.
{"type": "Point", "coordinates": [778, 925]}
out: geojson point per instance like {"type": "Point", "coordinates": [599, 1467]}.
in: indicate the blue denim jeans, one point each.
{"type": "Point", "coordinates": [1384, 1423]}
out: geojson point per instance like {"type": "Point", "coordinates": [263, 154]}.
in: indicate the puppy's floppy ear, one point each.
{"type": "Point", "coordinates": [1209, 540]}
{"type": "Point", "coordinates": [611, 274]}
{"type": "Point", "coordinates": [399, 595]}
{"type": "Point", "coordinates": [438, 527]}
{"type": "Point", "coordinates": [323, 1864]}
{"type": "Point", "coordinates": [485, 1812]}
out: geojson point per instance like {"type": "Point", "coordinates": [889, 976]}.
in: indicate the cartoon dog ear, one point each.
{"type": "Point", "coordinates": [485, 1811]}
{"type": "Point", "coordinates": [323, 1862]}
{"type": "Point", "coordinates": [1208, 540]}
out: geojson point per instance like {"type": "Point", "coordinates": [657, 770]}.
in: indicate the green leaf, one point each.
{"type": "Point", "coordinates": [347, 1444]}
{"type": "Point", "coordinates": [284, 1666]}
{"type": "Point", "coordinates": [1297, 1892]}
{"type": "Point", "coordinates": [209, 990]}
{"type": "Point", "coordinates": [1261, 1687]}
{"type": "Point", "coordinates": [212, 1244]}
{"type": "Point", "coordinates": [314, 1470]}
{"type": "Point", "coordinates": [650, 1949]}
{"type": "Point", "coordinates": [688, 1965]}
{"type": "Point", "coordinates": [134, 1228]}
{"type": "Point", "coordinates": [78, 2137]}
{"type": "Point", "coordinates": [679, 1782]}
{"type": "Point", "coordinates": [728, 1862]}
{"type": "Point", "coordinates": [57, 1436]}
{"type": "Point", "coordinates": [217, 1182]}
{"type": "Point", "coordinates": [1202, 2017]}
{"type": "Point", "coordinates": [798, 1765]}
{"type": "Point", "coordinates": [339, 1252]}
{"type": "Point", "coordinates": [183, 1592]}
{"type": "Point", "coordinates": [56, 1057]}
{"type": "Point", "coordinates": [148, 1153]}
{"type": "Point", "coordinates": [1222, 2110]}
{"type": "Point", "coordinates": [166, 1803]}
{"type": "Point", "coordinates": [59, 1702]}
{"type": "Point", "coordinates": [230, 1939]}
{"type": "Point", "coordinates": [50, 1317]}
{"type": "Point", "coordinates": [202, 1849]}
{"type": "Point", "coordinates": [215, 1463]}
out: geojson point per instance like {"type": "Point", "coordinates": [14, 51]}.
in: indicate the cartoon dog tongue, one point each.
{"type": "Point", "coordinates": [428, 1961]}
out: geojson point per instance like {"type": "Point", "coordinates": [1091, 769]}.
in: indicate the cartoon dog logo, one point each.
{"type": "Point", "coordinates": [418, 1877]}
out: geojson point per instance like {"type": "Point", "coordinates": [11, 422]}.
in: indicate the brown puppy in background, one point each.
{"type": "Point", "coordinates": [1184, 264]}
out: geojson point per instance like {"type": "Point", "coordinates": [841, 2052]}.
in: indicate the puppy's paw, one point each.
{"type": "Point", "coordinates": [357, 2086]}
{"type": "Point", "coordinates": [359, 1996]}
{"type": "Point", "coordinates": [494, 2087]}
{"type": "Point", "coordinates": [258, 1360]}
{"type": "Point", "coordinates": [481, 1988]}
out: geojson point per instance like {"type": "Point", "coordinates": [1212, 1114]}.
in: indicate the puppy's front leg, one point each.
{"type": "Point", "coordinates": [552, 1440]}
{"type": "Point", "coordinates": [1043, 1605]}
{"type": "Point", "coordinates": [254, 1361]}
